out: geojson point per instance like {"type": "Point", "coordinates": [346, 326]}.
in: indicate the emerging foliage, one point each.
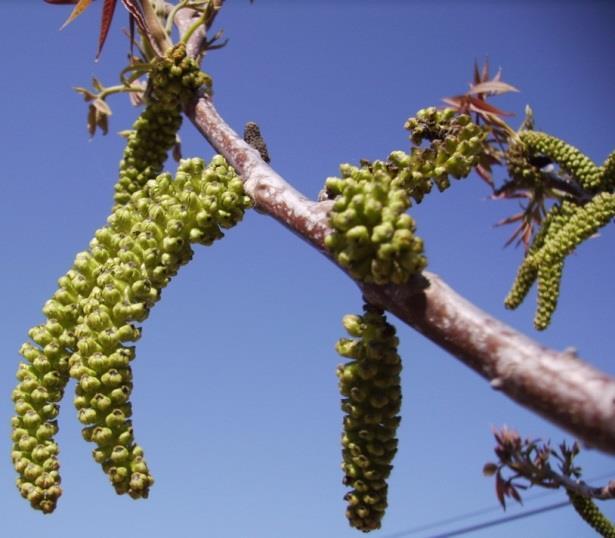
{"type": "Point", "coordinates": [529, 463]}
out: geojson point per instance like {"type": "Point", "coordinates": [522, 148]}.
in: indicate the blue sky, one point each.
{"type": "Point", "coordinates": [235, 399]}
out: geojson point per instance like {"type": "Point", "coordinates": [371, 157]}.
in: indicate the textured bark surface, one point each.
{"type": "Point", "coordinates": [557, 385]}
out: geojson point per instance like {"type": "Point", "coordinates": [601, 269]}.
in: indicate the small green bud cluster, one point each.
{"type": "Point", "coordinates": [456, 145]}
{"type": "Point", "coordinates": [588, 510]}
{"type": "Point", "coordinates": [570, 159]}
{"type": "Point", "coordinates": [370, 386]}
{"type": "Point", "coordinates": [173, 79]}
{"type": "Point", "coordinates": [92, 315]}
{"type": "Point", "coordinates": [566, 226]}
{"type": "Point", "coordinates": [373, 237]}
{"type": "Point", "coordinates": [431, 124]}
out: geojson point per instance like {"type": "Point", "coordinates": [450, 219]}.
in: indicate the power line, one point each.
{"type": "Point", "coordinates": [486, 510]}
{"type": "Point", "coordinates": [501, 520]}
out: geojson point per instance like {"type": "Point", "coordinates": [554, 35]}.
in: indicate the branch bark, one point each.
{"type": "Point", "coordinates": [557, 385]}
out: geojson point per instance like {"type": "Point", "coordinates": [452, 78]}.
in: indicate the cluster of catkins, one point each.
{"type": "Point", "coordinates": [567, 224]}
{"type": "Point", "coordinates": [373, 237]}
{"type": "Point", "coordinates": [370, 386]}
{"type": "Point", "coordinates": [91, 317]}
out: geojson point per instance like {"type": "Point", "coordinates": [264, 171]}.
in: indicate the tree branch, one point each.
{"type": "Point", "coordinates": [603, 493]}
{"type": "Point", "coordinates": [557, 385]}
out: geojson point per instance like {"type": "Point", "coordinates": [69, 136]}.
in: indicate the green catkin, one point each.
{"type": "Point", "coordinates": [41, 385]}
{"type": "Point", "coordinates": [44, 373]}
{"type": "Point", "coordinates": [82, 324]}
{"type": "Point", "coordinates": [525, 278]}
{"type": "Point", "coordinates": [592, 515]}
{"type": "Point", "coordinates": [173, 79]}
{"type": "Point", "coordinates": [371, 391]}
{"type": "Point", "coordinates": [564, 229]}
{"type": "Point", "coordinates": [527, 273]}
{"type": "Point", "coordinates": [586, 220]}
{"type": "Point", "coordinates": [568, 223]}
{"type": "Point", "coordinates": [549, 280]}
{"type": "Point", "coordinates": [570, 159]}
{"type": "Point", "coordinates": [147, 242]}
{"type": "Point", "coordinates": [583, 223]}
{"type": "Point", "coordinates": [42, 379]}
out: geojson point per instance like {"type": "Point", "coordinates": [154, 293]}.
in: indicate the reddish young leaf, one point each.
{"type": "Point", "coordinates": [91, 122]}
{"type": "Point", "coordinates": [476, 73]}
{"type": "Point", "coordinates": [136, 14]}
{"type": "Point", "coordinates": [81, 6]}
{"type": "Point", "coordinates": [485, 174]}
{"type": "Point", "coordinates": [105, 24]}
{"type": "Point", "coordinates": [500, 490]}
{"type": "Point", "coordinates": [494, 87]}
{"type": "Point", "coordinates": [515, 494]}
{"type": "Point", "coordinates": [481, 105]}
{"type": "Point", "coordinates": [509, 220]}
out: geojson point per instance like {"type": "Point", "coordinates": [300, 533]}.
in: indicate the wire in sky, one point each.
{"type": "Point", "coordinates": [501, 520]}
{"type": "Point", "coordinates": [486, 510]}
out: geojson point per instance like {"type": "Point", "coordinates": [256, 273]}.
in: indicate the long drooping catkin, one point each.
{"type": "Point", "coordinates": [371, 392]}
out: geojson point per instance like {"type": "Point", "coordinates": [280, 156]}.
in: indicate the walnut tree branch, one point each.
{"type": "Point", "coordinates": [557, 385]}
